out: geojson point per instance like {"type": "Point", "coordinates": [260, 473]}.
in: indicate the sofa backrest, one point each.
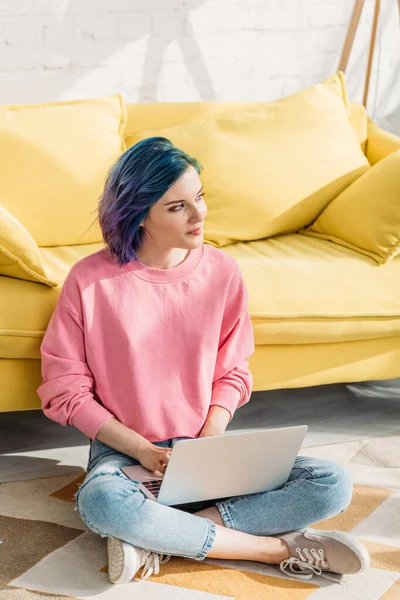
{"type": "Point", "coordinates": [359, 118]}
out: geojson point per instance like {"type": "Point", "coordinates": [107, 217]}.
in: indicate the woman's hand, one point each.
{"type": "Point", "coordinates": [154, 458]}
{"type": "Point", "coordinates": [216, 422]}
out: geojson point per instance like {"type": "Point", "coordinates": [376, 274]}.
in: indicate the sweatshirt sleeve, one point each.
{"type": "Point", "coordinates": [233, 381]}
{"type": "Point", "coordinates": [66, 391]}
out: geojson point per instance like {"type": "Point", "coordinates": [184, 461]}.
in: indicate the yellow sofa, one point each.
{"type": "Point", "coordinates": [322, 313]}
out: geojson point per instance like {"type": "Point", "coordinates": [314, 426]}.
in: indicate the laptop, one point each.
{"type": "Point", "coordinates": [217, 467]}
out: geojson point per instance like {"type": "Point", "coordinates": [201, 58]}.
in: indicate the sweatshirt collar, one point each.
{"type": "Point", "coordinates": [147, 273]}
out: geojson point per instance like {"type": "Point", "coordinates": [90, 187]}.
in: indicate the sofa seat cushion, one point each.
{"type": "Point", "coordinates": [26, 307]}
{"type": "Point", "coordinates": [302, 290]}
{"type": "Point", "coordinates": [305, 290]}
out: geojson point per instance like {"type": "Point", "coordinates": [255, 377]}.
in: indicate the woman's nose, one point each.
{"type": "Point", "coordinates": [200, 215]}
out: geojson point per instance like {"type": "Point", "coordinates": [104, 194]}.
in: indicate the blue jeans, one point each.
{"type": "Point", "coordinates": [112, 505]}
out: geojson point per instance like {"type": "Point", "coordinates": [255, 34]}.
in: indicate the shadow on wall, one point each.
{"type": "Point", "coordinates": [66, 37]}
{"type": "Point", "coordinates": [79, 41]}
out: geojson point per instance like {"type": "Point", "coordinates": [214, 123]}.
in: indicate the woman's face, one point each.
{"type": "Point", "coordinates": [181, 209]}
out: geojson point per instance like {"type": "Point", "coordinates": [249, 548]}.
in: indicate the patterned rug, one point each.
{"type": "Point", "coordinates": [47, 552]}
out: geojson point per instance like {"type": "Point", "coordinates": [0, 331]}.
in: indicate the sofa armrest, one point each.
{"type": "Point", "coordinates": [380, 143]}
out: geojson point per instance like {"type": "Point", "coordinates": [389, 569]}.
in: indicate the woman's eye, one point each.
{"type": "Point", "coordinates": [178, 205]}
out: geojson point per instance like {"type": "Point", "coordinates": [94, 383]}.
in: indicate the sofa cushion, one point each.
{"type": "Point", "coordinates": [154, 115]}
{"type": "Point", "coordinates": [20, 256]}
{"type": "Point", "coordinates": [305, 290]}
{"type": "Point", "coordinates": [55, 157]}
{"type": "Point", "coordinates": [302, 290]}
{"type": "Point", "coordinates": [366, 216]}
{"type": "Point", "coordinates": [272, 168]}
{"type": "Point", "coordinates": [26, 307]}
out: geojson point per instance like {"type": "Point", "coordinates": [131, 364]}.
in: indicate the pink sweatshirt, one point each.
{"type": "Point", "coordinates": [154, 348]}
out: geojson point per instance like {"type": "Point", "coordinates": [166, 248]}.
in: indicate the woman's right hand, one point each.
{"type": "Point", "coordinates": [154, 458]}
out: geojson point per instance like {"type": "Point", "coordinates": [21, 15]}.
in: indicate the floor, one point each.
{"type": "Point", "coordinates": [334, 413]}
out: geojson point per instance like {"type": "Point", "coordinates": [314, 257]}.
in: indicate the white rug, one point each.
{"type": "Point", "coordinates": [46, 550]}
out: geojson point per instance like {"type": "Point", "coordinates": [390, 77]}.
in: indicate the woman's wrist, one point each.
{"type": "Point", "coordinates": [121, 438]}
{"type": "Point", "coordinates": [216, 421]}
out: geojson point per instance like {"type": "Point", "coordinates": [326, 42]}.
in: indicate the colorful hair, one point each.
{"type": "Point", "coordinates": [136, 181]}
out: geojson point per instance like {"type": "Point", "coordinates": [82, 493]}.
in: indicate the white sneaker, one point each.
{"type": "Point", "coordinates": [125, 560]}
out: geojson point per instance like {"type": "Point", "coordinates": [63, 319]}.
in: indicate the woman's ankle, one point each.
{"type": "Point", "coordinates": [274, 551]}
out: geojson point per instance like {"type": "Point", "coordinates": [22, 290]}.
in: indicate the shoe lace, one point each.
{"type": "Point", "coordinates": [311, 562]}
{"type": "Point", "coordinates": [152, 561]}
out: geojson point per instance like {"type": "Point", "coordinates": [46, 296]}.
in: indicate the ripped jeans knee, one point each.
{"type": "Point", "coordinates": [99, 496]}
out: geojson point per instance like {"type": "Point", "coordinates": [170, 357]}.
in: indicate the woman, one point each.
{"type": "Point", "coordinates": [148, 344]}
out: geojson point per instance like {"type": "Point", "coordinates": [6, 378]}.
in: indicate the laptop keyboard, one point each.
{"type": "Point", "coordinates": [153, 485]}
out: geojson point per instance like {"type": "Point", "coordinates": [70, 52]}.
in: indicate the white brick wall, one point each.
{"type": "Point", "coordinates": [188, 50]}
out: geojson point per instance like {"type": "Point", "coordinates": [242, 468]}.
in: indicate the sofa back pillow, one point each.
{"type": "Point", "coordinates": [366, 216]}
{"type": "Point", "coordinates": [152, 115]}
{"type": "Point", "coordinates": [272, 168]}
{"type": "Point", "coordinates": [54, 158]}
{"type": "Point", "coordinates": [20, 256]}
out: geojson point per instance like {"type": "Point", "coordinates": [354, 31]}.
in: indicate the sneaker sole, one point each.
{"type": "Point", "coordinates": [345, 538]}
{"type": "Point", "coordinates": [121, 561]}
